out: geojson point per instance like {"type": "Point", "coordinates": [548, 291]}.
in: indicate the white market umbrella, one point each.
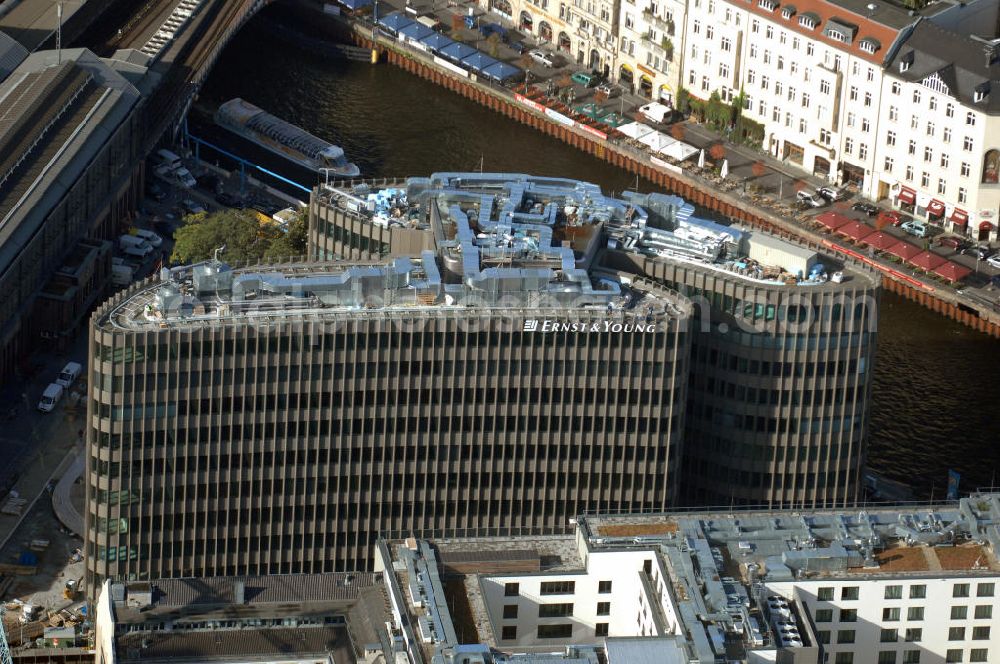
{"type": "Point", "coordinates": [701, 158]}
{"type": "Point", "coordinates": [724, 171]}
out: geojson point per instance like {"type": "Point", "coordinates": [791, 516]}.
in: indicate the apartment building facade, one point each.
{"type": "Point", "coordinates": [937, 151]}
{"type": "Point", "coordinates": [649, 50]}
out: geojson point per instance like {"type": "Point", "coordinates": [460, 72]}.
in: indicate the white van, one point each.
{"type": "Point", "coordinates": [152, 238]}
{"type": "Point", "coordinates": [50, 397]}
{"type": "Point", "coordinates": [168, 159]}
{"type": "Point", "coordinates": [134, 246]}
{"type": "Point", "coordinates": [69, 374]}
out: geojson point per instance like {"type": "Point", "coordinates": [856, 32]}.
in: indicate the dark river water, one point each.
{"type": "Point", "coordinates": [936, 401]}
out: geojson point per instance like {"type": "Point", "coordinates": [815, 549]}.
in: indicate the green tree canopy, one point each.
{"type": "Point", "coordinates": [246, 239]}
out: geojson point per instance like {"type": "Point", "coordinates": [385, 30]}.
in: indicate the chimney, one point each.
{"type": "Point", "coordinates": [990, 51]}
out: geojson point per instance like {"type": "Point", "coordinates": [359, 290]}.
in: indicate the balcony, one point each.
{"type": "Point", "coordinates": [665, 24]}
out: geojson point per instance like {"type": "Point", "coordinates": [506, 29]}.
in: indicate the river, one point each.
{"type": "Point", "coordinates": [936, 386]}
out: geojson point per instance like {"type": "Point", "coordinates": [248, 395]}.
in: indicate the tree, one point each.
{"type": "Point", "coordinates": [717, 152]}
{"type": "Point", "coordinates": [758, 169]}
{"type": "Point", "coordinates": [683, 100]}
{"type": "Point", "coordinates": [493, 44]}
{"type": "Point", "coordinates": [291, 244]}
{"type": "Point", "coordinates": [677, 131]}
{"type": "Point", "coordinates": [245, 239]}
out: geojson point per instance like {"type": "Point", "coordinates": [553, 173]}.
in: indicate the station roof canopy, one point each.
{"type": "Point", "coordinates": [457, 51]}
{"type": "Point", "coordinates": [436, 41]}
{"type": "Point", "coordinates": [355, 4]}
{"type": "Point", "coordinates": [856, 230]}
{"type": "Point", "coordinates": [927, 260]}
{"type": "Point", "coordinates": [479, 61]}
{"type": "Point", "coordinates": [952, 271]}
{"type": "Point", "coordinates": [395, 21]}
{"type": "Point", "coordinates": [416, 31]}
{"type": "Point", "coordinates": [501, 71]}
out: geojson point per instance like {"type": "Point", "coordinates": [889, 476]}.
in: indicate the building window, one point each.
{"type": "Point", "coordinates": [959, 612]}
{"type": "Point", "coordinates": [824, 87]}
{"type": "Point", "coordinates": [966, 169]}
{"type": "Point", "coordinates": [863, 151]}
{"type": "Point", "coordinates": [979, 655]}
{"type": "Point", "coordinates": [824, 615]}
{"type": "Point", "coordinates": [726, 44]}
{"type": "Point", "coordinates": [555, 610]}
{"type": "Point", "coordinates": [844, 658]}
{"type": "Point", "coordinates": [723, 70]}
{"type": "Point", "coordinates": [916, 96]}
{"type": "Point", "coordinates": [887, 657]}
{"type": "Point", "coordinates": [893, 113]}
{"type": "Point", "coordinates": [807, 22]}
{"type": "Point", "coordinates": [953, 655]}
{"type": "Point", "coordinates": [805, 100]}
{"type": "Point", "coordinates": [930, 128]}
{"type": "Point", "coordinates": [915, 612]}
{"type": "Point", "coordinates": [604, 608]}
{"type": "Point", "coordinates": [810, 49]}
{"type": "Point", "coordinates": [865, 125]}
{"type": "Point", "coordinates": [925, 181]}
{"type": "Point", "coordinates": [601, 629]}
{"type": "Point", "coordinates": [560, 631]}
{"type": "Point", "coordinates": [932, 103]}
{"type": "Point", "coordinates": [946, 134]}
{"type": "Point", "coordinates": [914, 122]}
{"type": "Point", "coordinates": [755, 26]}
{"type": "Point", "coordinates": [911, 657]}
{"type": "Point", "coordinates": [823, 636]}
{"type": "Point", "coordinates": [890, 139]}
{"type": "Point", "coordinates": [511, 589]}
{"type": "Point", "coordinates": [967, 146]}
{"type": "Point", "coordinates": [765, 82]}
{"type": "Point", "coordinates": [848, 146]}
{"type": "Point", "coordinates": [956, 633]}
{"type": "Point", "coordinates": [918, 591]}
{"type": "Point", "coordinates": [888, 164]}
{"type": "Point", "coordinates": [888, 635]}
{"type": "Point", "coordinates": [696, 27]}
{"type": "Point", "coordinates": [981, 633]}
{"type": "Point", "coordinates": [984, 590]}
{"type": "Point", "coordinates": [803, 127]}
{"type": "Point", "coordinates": [868, 99]}
{"type": "Point", "coordinates": [893, 592]}
{"type": "Point", "coordinates": [853, 94]}
{"type": "Point", "coordinates": [962, 195]}
{"type": "Point", "coordinates": [603, 587]}
{"type": "Point", "coordinates": [557, 588]}
{"type": "Point", "coordinates": [928, 154]}
{"type": "Point", "coordinates": [709, 32]}
{"type": "Point", "coordinates": [850, 119]}
{"type": "Point", "coordinates": [769, 32]}
{"type": "Point", "coordinates": [895, 88]}
{"type": "Point", "coordinates": [949, 110]}
{"type": "Point", "coordinates": [510, 611]}
{"type": "Point", "coordinates": [824, 136]}
{"type": "Point", "coordinates": [944, 160]}
{"type": "Point", "coordinates": [508, 633]}
{"type": "Point", "coordinates": [909, 173]}
{"type": "Point", "coordinates": [984, 611]}
{"type": "Point", "coordinates": [845, 636]}
{"type": "Point", "coordinates": [890, 614]}
{"type": "Point", "coordinates": [970, 118]}
{"type": "Point", "coordinates": [912, 148]}
{"type": "Point", "coordinates": [913, 634]}
{"type": "Point", "coordinates": [848, 615]}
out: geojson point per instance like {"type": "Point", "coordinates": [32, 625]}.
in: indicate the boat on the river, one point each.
{"type": "Point", "coordinates": [283, 138]}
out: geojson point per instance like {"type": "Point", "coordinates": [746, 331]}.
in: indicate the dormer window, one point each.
{"type": "Point", "coordinates": [809, 21]}
{"type": "Point", "coordinates": [905, 61]}
{"type": "Point", "coordinates": [787, 12]}
{"type": "Point", "coordinates": [980, 93]}
{"type": "Point", "coordinates": [769, 5]}
{"type": "Point", "coordinates": [869, 45]}
{"type": "Point", "coordinates": [903, 66]}
{"type": "Point", "coordinates": [836, 35]}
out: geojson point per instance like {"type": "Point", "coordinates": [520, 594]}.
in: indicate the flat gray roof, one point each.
{"type": "Point", "coordinates": [31, 22]}
{"type": "Point", "coordinates": [11, 55]}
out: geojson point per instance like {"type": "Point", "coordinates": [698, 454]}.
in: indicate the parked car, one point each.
{"type": "Point", "coordinates": [152, 238]}
{"type": "Point", "coordinates": [949, 241]}
{"type": "Point", "coordinates": [228, 200]}
{"type": "Point", "coordinates": [542, 58]}
{"type": "Point", "coordinates": [916, 228]}
{"type": "Point", "coordinates": [809, 198]}
{"type": "Point", "coordinates": [609, 89]}
{"type": "Point", "coordinates": [994, 261]}
{"type": "Point", "coordinates": [585, 78]}
{"type": "Point", "coordinates": [831, 193]}
{"type": "Point", "coordinates": [518, 47]}
{"type": "Point", "coordinates": [192, 207]}
{"type": "Point", "coordinates": [867, 208]}
{"type": "Point", "coordinates": [131, 245]}
{"type": "Point", "coordinates": [980, 251]}
{"type": "Point", "coordinates": [891, 218]}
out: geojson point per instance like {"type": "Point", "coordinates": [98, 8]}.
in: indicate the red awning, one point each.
{"type": "Point", "coordinates": [832, 220]}
{"type": "Point", "coordinates": [856, 230]}
{"type": "Point", "coordinates": [927, 260]}
{"type": "Point", "coordinates": [907, 196]}
{"type": "Point", "coordinates": [985, 226]}
{"type": "Point", "coordinates": [960, 217]}
{"type": "Point", "coordinates": [880, 240]}
{"type": "Point", "coordinates": [952, 271]}
{"type": "Point", "coordinates": [903, 250]}
{"type": "Point", "coordinates": [935, 207]}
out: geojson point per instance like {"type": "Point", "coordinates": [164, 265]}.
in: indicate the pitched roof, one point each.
{"type": "Point", "coordinates": [962, 63]}
{"type": "Point", "coordinates": [851, 18]}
